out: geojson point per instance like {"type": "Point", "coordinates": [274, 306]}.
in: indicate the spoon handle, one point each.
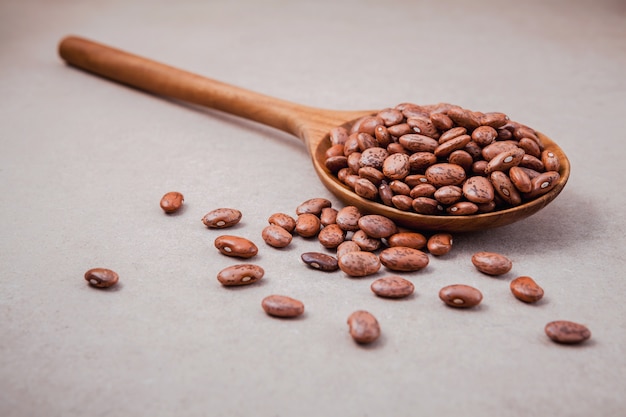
{"type": "Point", "coordinates": [164, 80]}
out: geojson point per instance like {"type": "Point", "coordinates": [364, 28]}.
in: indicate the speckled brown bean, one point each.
{"type": "Point", "coordinates": [334, 150]}
{"type": "Point", "coordinates": [490, 151]}
{"type": "Point", "coordinates": [484, 135]}
{"type": "Point", "coordinates": [390, 116]}
{"type": "Point", "coordinates": [366, 141]}
{"type": "Point", "coordinates": [242, 274]}
{"type": "Point", "coordinates": [418, 143]}
{"type": "Point", "coordinates": [328, 216]}
{"type": "Point", "coordinates": [283, 220]}
{"type": "Point", "coordinates": [320, 261]}
{"type": "Point", "coordinates": [426, 205]}
{"type": "Point", "coordinates": [222, 218]}
{"type": "Point", "coordinates": [460, 296]}
{"type": "Point", "coordinates": [530, 147]}
{"type": "Point", "coordinates": [366, 124]}
{"type": "Point", "coordinates": [364, 327]}
{"type": "Point", "coordinates": [336, 163]}
{"type": "Point", "coordinates": [331, 236]}
{"type": "Point", "coordinates": [350, 180]}
{"type": "Point", "coordinates": [348, 218]}
{"type": "Point", "coordinates": [402, 202]}
{"type": "Point", "coordinates": [462, 208]}
{"type": "Point", "coordinates": [464, 117]}
{"type": "Point", "coordinates": [542, 183]}
{"type": "Point", "coordinates": [101, 277]}
{"type": "Point", "coordinates": [526, 289]}
{"type": "Point", "coordinates": [440, 244]}
{"type": "Point", "coordinates": [383, 138]}
{"type": "Point", "coordinates": [491, 263]}
{"type": "Point", "coordinates": [354, 161]}
{"type": "Point", "coordinates": [462, 158]}
{"type": "Point", "coordinates": [172, 202]}
{"type": "Point", "coordinates": [478, 190]}
{"type": "Point", "coordinates": [452, 133]}
{"type": "Point", "coordinates": [338, 135]}
{"type": "Point", "coordinates": [313, 206]}
{"type": "Point", "coordinates": [446, 148]}
{"type": "Point", "coordinates": [400, 129]}
{"type": "Point", "coordinates": [419, 161]}
{"type": "Point", "coordinates": [385, 193]}
{"type": "Point", "coordinates": [422, 190]}
{"type": "Point", "coordinates": [282, 306]}
{"type": "Point", "coordinates": [423, 125]}
{"type": "Point", "coordinates": [399, 258]}
{"type": "Point", "coordinates": [377, 226]}
{"type": "Point", "coordinates": [413, 240]}
{"type": "Point", "coordinates": [365, 188]}
{"type": "Point", "coordinates": [308, 225]}
{"type": "Point", "coordinates": [520, 179]}
{"type": "Point", "coordinates": [494, 119]}
{"type": "Point", "coordinates": [346, 247]}
{"type": "Point", "coordinates": [365, 242]}
{"type": "Point", "coordinates": [392, 287]}
{"type": "Point", "coordinates": [567, 332]}
{"type": "Point", "coordinates": [505, 160]}
{"type": "Point", "coordinates": [396, 166]}
{"type": "Point", "coordinates": [359, 264]}
{"type": "Point", "coordinates": [479, 167]}
{"type": "Point", "coordinates": [448, 194]}
{"type": "Point", "coordinates": [372, 174]}
{"type": "Point", "coordinates": [276, 236]}
{"type": "Point", "coordinates": [373, 157]}
{"type": "Point", "coordinates": [441, 121]}
{"type": "Point", "coordinates": [236, 246]}
{"type": "Point", "coordinates": [445, 174]}
{"type": "Point", "coordinates": [505, 188]}
{"type": "Point", "coordinates": [395, 147]}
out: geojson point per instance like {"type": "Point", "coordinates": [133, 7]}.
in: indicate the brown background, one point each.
{"type": "Point", "coordinates": [84, 162]}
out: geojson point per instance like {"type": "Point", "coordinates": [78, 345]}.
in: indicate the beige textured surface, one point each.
{"type": "Point", "coordinates": [84, 162]}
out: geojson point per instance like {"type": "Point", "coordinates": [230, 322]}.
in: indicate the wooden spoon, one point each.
{"type": "Point", "coordinates": [310, 124]}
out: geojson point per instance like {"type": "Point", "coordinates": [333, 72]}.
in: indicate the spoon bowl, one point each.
{"type": "Point", "coordinates": [311, 125]}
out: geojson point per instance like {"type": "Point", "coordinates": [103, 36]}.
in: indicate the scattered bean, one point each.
{"type": "Point", "coordinates": [526, 289]}
{"type": "Point", "coordinates": [392, 287]}
{"type": "Point", "coordinates": [491, 263]}
{"type": "Point", "coordinates": [172, 202]}
{"type": "Point", "coordinates": [460, 296]}
{"type": "Point", "coordinates": [377, 226]}
{"type": "Point", "coordinates": [331, 236]}
{"type": "Point", "coordinates": [347, 246]}
{"type": "Point", "coordinates": [308, 225]}
{"type": "Point", "coordinates": [101, 277]}
{"type": "Point", "coordinates": [407, 239]}
{"type": "Point", "coordinates": [348, 218]}
{"type": "Point", "coordinates": [282, 306]}
{"type": "Point", "coordinates": [567, 332]}
{"type": "Point", "coordinates": [236, 246]}
{"type": "Point", "coordinates": [400, 258]}
{"type": "Point", "coordinates": [364, 327]}
{"type": "Point", "coordinates": [283, 220]}
{"type": "Point", "coordinates": [359, 264]}
{"type": "Point", "coordinates": [276, 236]}
{"type": "Point", "coordinates": [313, 206]}
{"type": "Point", "coordinates": [242, 274]}
{"type": "Point", "coordinates": [321, 261]}
{"type": "Point", "coordinates": [440, 244]}
{"type": "Point", "coordinates": [221, 218]}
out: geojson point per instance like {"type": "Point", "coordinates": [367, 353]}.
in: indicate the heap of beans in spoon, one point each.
{"type": "Point", "coordinates": [442, 159]}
